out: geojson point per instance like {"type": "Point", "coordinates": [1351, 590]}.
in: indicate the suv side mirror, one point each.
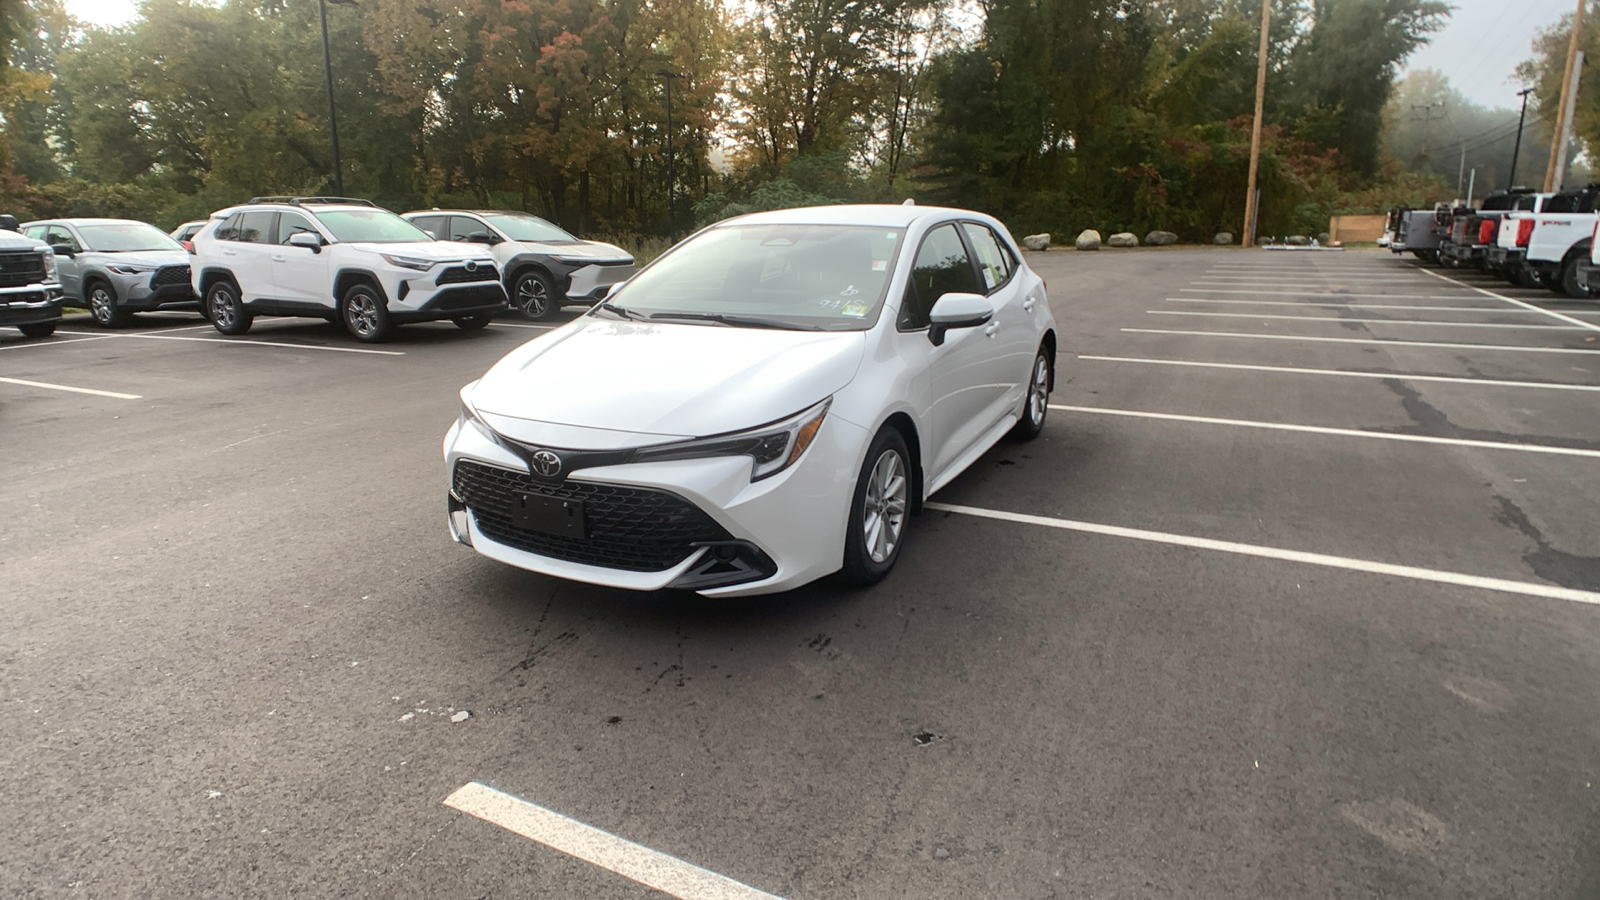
{"type": "Point", "coordinates": [482, 237]}
{"type": "Point", "coordinates": [957, 309]}
{"type": "Point", "coordinates": [307, 240]}
{"type": "Point", "coordinates": [63, 250]}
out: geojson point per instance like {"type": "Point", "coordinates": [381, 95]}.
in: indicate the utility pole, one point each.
{"type": "Point", "coordinates": [333, 116]}
{"type": "Point", "coordinates": [1426, 119]}
{"type": "Point", "coordinates": [1251, 195]}
{"type": "Point", "coordinates": [672, 167]}
{"type": "Point", "coordinates": [1516, 148]}
{"type": "Point", "coordinates": [1566, 121]}
{"type": "Point", "coordinates": [1461, 172]}
{"type": "Point", "coordinates": [1566, 86]}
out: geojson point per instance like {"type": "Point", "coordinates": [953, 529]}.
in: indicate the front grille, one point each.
{"type": "Point", "coordinates": [463, 275]}
{"type": "Point", "coordinates": [167, 275]}
{"type": "Point", "coordinates": [637, 529]}
{"type": "Point", "coordinates": [21, 268]}
{"type": "Point", "coordinates": [469, 298]}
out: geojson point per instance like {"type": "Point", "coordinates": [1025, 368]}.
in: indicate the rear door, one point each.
{"type": "Point", "coordinates": [1014, 341]}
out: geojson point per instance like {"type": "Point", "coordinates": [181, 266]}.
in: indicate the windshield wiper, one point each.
{"type": "Point", "coordinates": [610, 307]}
{"type": "Point", "coordinates": [737, 321]}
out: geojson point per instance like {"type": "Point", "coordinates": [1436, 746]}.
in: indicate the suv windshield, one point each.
{"type": "Point", "coordinates": [125, 237]}
{"type": "Point", "coordinates": [527, 228]}
{"type": "Point", "coordinates": [371, 225]}
{"type": "Point", "coordinates": [817, 277]}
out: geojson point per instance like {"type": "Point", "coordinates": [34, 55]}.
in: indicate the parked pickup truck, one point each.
{"type": "Point", "coordinates": [30, 294]}
{"type": "Point", "coordinates": [1562, 236]}
{"type": "Point", "coordinates": [1420, 230]}
{"type": "Point", "coordinates": [1473, 233]}
{"type": "Point", "coordinates": [1505, 256]}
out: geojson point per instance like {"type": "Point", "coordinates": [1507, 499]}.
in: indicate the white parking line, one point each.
{"type": "Point", "coordinates": [1416, 573]}
{"type": "Point", "coordinates": [1217, 290]}
{"type": "Point", "coordinates": [75, 390]}
{"type": "Point", "coordinates": [1497, 310]}
{"type": "Point", "coordinates": [1388, 341]}
{"type": "Point", "coordinates": [244, 342]}
{"type": "Point", "coordinates": [1398, 376]}
{"type": "Point", "coordinates": [1524, 304]}
{"type": "Point", "coordinates": [1339, 320]}
{"type": "Point", "coordinates": [651, 868]}
{"type": "Point", "coordinates": [1303, 286]}
{"type": "Point", "coordinates": [1338, 432]}
{"type": "Point", "coordinates": [98, 337]}
{"type": "Point", "coordinates": [521, 325]}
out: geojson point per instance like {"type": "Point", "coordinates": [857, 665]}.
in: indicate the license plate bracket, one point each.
{"type": "Point", "coordinates": [549, 515]}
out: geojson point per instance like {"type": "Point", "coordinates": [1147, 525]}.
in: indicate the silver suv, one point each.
{"type": "Point", "coordinates": [116, 267]}
{"type": "Point", "coordinates": [339, 259]}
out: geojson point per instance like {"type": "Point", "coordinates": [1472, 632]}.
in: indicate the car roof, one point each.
{"type": "Point", "coordinates": [878, 215]}
{"type": "Point", "coordinates": [84, 221]}
{"type": "Point", "coordinates": [474, 212]}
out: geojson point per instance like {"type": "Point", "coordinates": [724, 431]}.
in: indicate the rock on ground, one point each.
{"type": "Point", "coordinates": [1324, 238]}
{"type": "Point", "coordinates": [1222, 238]}
{"type": "Point", "coordinates": [1160, 238]}
{"type": "Point", "coordinates": [1037, 241]}
{"type": "Point", "coordinates": [1297, 240]}
{"type": "Point", "coordinates": [1088, 239]}
{"type": "Point", "coordinates": [1123, 239]}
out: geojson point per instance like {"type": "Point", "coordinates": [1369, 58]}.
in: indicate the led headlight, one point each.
{"type": "Point", "coordinates": [408, 262]}
{"type": "Point", "coordinates": [469, 415]}
{"type": "Point", "coordinates": [131, 269]}
{"type": "Point", "coordinates": [771, 448]}
{"type": "Point", "coordinates": [49, 265]}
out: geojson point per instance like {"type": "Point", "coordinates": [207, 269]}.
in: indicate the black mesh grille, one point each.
{"type": "Point", "coordinates": [18, 269]}
{"type": "Point", "coordinates": [637, 529]}
{"type": "Point", "coordinates": [462, 275]}
{"type": "Point", "coordinates": [167, 275]}
{"type": "Point", "coordinates": [469, 298]}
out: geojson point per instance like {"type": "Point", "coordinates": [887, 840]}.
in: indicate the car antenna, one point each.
{"type": "Point", "coordinates": [909, 202]}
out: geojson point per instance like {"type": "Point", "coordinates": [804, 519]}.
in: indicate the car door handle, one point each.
{"type": "Point", "coordinates": [1028, 303]}
{"type": "Point", "coordinates": [227, 252]}
{"type": "Point", "coordinates": [993, 327]}
{"type": "Point", "coordinates": [276, 258]}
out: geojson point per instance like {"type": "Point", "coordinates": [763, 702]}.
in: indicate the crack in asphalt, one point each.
{"type": "Point", "coordinates": [1555, 566]}
{"type": "Point", "coordinates": [1429, 421]}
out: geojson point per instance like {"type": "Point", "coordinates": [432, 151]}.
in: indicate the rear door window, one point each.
{"type": "Point", "coordinates": [257, 226]}
{"type": "Point", "coordinates": [994, 260]}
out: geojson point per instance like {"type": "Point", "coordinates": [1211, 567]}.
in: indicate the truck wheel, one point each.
{"type": "Point", "coordinates": [37, 329]}
{"type": "Point", "coordinates": [1569, 283]}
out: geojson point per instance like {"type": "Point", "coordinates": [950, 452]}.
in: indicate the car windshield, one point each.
{"type": "Point", "coordinates": [819, 277]}
{"type": "Point", "coordinates": [377, 226]}
{"type": "Point", "coordinates": [125, 237]}
{"type": "Point", "coordinates": [527, 228]}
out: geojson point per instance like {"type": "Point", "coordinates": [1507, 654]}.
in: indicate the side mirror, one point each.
{"type": "Point", "coordinates": [957, 310]}
{"type": "Point", "coordinates": [63, 250]}
{"type": "Point", "coordinates": [307, 240]}
{"type": "Point", "coordinates": [482, 237]}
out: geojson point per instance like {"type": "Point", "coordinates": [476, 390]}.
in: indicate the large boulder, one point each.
{"type": "Point", "coordinates": [1297, 240]}
{"type": "Point", "coordinates": [1222, 237]}
{"type": "Point", "coordinates": [1324, 238]}
{"type": "Point", "coordinates": [1123, 239]}
{"type": "Point", "coordinates": [1088, 239]}
{"type": "Point", "coordinates": [1037, 241]}
{"type": "Point", "coordinates": [1160, 238]}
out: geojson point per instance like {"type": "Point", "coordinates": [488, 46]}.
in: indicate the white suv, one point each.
{"type": "Point", "coordinates": [338, 259]}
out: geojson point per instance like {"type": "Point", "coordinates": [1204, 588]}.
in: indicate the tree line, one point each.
{"type": "Point", "coordinates": [1053, 114]}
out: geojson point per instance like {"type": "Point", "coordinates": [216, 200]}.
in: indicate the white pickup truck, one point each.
{"type": "Point", "coordinates": [1562, 237]}
{"type": "Point", "coordinates": [1506, 257]}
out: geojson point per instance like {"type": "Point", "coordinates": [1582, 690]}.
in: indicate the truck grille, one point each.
{"type": "Point", "coordinates": [462, 275]}
{"type": "Point", "coordinates": [632, 528]}
{"type": "Point", "coordinates": [20, 268]}
{"type": "Point", "coordinates": [169, 275]}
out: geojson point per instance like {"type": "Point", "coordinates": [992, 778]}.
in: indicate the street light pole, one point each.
{"type": "Point", "coordinates": [1517, 147]}
{"type": "Point", "coordinates": [672, 163]}
{"type": "Point", "coordinates": [1252, 197]}
{"type": "Point", "coordinates": [333, 116]}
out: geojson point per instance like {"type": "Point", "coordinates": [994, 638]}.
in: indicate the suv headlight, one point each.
{"type": "Point", "coordinates": [771, 448]}
{"type": "Point", "coordinates": [131, 269]}
{"type": "Point", "coordinates": [409, 262]}
{"type": "Point", "coordinates": [49, 265]}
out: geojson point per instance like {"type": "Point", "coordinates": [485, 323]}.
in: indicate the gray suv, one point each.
{"type": "Point", "coordinates": [116, 267]}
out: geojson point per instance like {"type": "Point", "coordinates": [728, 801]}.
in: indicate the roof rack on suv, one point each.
{"type": "Point", "coordinates": [301, 201]}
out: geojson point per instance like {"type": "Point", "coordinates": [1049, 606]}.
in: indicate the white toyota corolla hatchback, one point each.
{"type": "Point", "coordinates": [763, 405]}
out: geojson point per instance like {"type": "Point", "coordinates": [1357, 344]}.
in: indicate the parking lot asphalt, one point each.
{"type": "Point", "coordinates": [1298, 595]}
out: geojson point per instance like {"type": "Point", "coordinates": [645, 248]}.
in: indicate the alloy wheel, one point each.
{"type": "Point", "coordinates": [884, 512]}
{"type": "Point", "coordinates": [223, 313]}
{"type": "Point", "coordinates": [361, 310]}
{"type": "Point", "coordinates": [100, 305]}
{"type": "Point", "coordinates": [1039, 391]}
{"type": "Point", "coordinates": [533, 298]}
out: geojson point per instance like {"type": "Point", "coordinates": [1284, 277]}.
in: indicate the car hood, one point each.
{"type": "Point", "coordinates": [576, 249]}
{"type": "Point", "coordinates": [436, 250]}
{"type": "Point", "coordinates": [668, 379]}
{"type": "Point", "coordinates": [142, 257]}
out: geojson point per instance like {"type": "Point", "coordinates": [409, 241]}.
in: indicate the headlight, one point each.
{"type": "Point", "coordinates": [469, 415]}
{"type": "Point", "coordinates": [131, 269]}
{"type": "Point", "coordinates": [49, 265]}
{"type": "Point", "coordinates": [772, 448]}
{"type": "Point", "coordinates": [409, 262]}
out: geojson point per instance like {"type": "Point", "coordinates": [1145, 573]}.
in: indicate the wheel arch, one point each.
{"type": "Point", "coordinates": [1049, 345]}
{"type": "Point", "coordinates": [901, 422]}
{"type": "Point", "coordinates": [345, 279]}
{"type": "Point", "coordinates": [210, 275]}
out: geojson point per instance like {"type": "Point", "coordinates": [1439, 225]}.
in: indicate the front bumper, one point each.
{"type": "Point", "coordinates": [161, 289]}
{"type": "Point", "coordinates": [784, 531]}
{"type": "Point", "coordinates": [590, 283]}
{"type": "Point", "coordinates": [426, 299]}
{"type": "Point", "coordinates": [30, 305]}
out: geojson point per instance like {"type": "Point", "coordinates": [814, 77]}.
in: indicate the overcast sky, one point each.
{"type": "Point", "coordinates": [1478, 50]}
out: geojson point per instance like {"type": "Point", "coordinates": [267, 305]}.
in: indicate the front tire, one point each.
{"type": "Point", "coordinates": [225, 310]}
{"type": "Point", "coordinates": [37, 329]}
{"type": "Point", "coordinates": [103, 306]}
{"type": "Point", "coordinates": [534, 296]}
{"type": "Point", "coordinates": [472, 323]}
{"type": "Point", "coordinates": [366, 314]}
{"type": "Point", "coordinates": [1036, 402]}
{"type": "Point", "coordinates": [879, 510]}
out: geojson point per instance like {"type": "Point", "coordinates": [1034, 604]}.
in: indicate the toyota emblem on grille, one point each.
{"type": "Point", "coordinates": [472, 265]}
{"type": "Point", "coordinates": [546, 463]}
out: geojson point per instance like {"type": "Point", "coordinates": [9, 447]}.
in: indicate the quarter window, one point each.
{"type": "Point", "coordinates": [942, 266]}
{"type": "Point", "coordinates": [994, 260]}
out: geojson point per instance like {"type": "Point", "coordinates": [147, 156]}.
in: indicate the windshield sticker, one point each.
{"type": "Point", "coordinates": [879, 265]}
{"type": "Point", "coordinates": [854, 310]}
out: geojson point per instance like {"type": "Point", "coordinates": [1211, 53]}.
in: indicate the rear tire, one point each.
{"type": "Point", "coordinates": [472, 323]}
{"type": "Point", "coordinates": [880, 510]}
{"type": "Point", "coordinates": [225, 310]}
{"type": "Point", "coordinates": [366, 314]}
{"type": "Point", "coordinates": [37, 329]}
{"type": "Point", "coordinates": [1568, 283]}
